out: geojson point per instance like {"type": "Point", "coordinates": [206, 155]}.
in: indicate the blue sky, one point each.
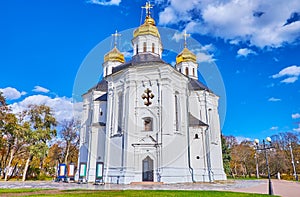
{"type": "Point", "coordinates": [255, 45]}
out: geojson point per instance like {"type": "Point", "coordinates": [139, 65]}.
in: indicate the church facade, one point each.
{"type": "Point", "coordinates": [149, 121]}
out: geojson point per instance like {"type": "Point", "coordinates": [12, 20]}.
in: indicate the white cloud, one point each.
{"type": "Point", "coordinates": [208, 47]}
{"type": "Point", "coordinates": [127, 54]}
{"type": "Point", "coordinates": [63, 107]}
{"type": "Point", "coordinates": [12, 93]}
{"type": "Point", "coordinates": [245, 52]}
{"type": "Point", "coordinates": [167, 16]}
{"type": "Point", "coordinates": [274, 128]}
{"type": "Point", "coordinates": [104, 2]}
{"type": "Point", "coordinates": [203, 57]}
{"type": "Point", "coordinates": [272, 99]}
{"type": "Point", "coordinates": [289, 80]}
{"type": "Point", "coordinates": [295, 116]}
{"type": "Point", "coordinates": [40, 89]}
{"type": "Point", "coordinates": [289, 71]}
{"type": "Point", "coordinates": [177, 36]}
{"type": "Point", "coordinates": [292, 73]}
{"type": "Point", "coordinates": [297, 129]}
{"type": "Point", "coordinates": [260, 23]}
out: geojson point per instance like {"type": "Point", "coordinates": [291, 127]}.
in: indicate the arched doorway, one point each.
{"type": "Point", "coordinates": [147, 169]}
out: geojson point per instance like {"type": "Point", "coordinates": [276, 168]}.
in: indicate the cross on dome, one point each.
{"type": "Point", "coordinates": [185, 35]}
{"type": "Point", "coordinates": [147, 7]}
{"type": "Point", "coordinates": [115, 37]}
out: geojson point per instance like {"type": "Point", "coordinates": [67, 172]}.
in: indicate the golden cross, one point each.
{"type": "Point", "coordinates": [115, 35]}
{"type": "Point", "coordinates": [185, 37]}
{"type": "Point", "coordinates": [147, 7]}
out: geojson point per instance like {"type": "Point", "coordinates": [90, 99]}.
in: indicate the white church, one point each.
{"type": "Point", "coordinates": [149, 121]}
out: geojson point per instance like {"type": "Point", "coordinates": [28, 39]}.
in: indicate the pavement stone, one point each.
{"type": "Point", "coordinates": [280, 187]}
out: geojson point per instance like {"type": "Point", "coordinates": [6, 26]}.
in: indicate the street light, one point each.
{"type": "Point", "coordinates": [264, 147]}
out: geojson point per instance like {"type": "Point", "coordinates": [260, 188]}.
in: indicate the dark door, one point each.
{"type": "Point", "coordinates": [147, 169]}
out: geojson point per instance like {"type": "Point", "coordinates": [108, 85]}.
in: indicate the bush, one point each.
{"type": "Point", "coordinates": [287, 177]}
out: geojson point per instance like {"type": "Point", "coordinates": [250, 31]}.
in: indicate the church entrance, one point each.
{"type": "Point", "coordinates": [147, 169]}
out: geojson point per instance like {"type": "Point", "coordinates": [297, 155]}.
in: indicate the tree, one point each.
{"type": "Point", "coordinates": [70, 136]}
{"type": "Point", "coordinates": [12, 132]}
{"type": "Point", "coordinates": [42, 124]}
{"type": "Point", "coordinates": [226, 154]}
{"type": "Point", "coordinates": [242, 159]}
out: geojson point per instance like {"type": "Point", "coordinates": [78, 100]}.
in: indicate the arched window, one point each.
{"type": "Point", "coordinates": [148, 124]}
{"type": "Point", "coordinates": [120, 112]}
{"type": "Point", "coordinates": [196, 136]}
{"type": "Point", "coordinates": [153, 47]}
{"type": "Point", "coordinates": [180, 70]}
{"type": "Point", "coordinates": [193, 71]}
{"type": "Point", "coordinates": [177, 113]}
{"type": "Point", "coordinates": [145, 46]}
{"type": "Point", "coordinates": [137, 49]}
{"type": "Point", "coordinates": [187, 71]}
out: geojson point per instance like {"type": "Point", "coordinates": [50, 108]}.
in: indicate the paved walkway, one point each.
{"type": "Point", "coordinates": [280, 187]}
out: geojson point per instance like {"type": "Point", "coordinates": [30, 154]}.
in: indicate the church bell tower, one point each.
{"type": "Point", "coordinates": [113, 58]}
{"type": "Point", "coordinates": [186, 61]}
{"type": "Point", "coordinates": [146, 38]}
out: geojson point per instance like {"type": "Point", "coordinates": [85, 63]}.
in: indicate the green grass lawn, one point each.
{"type": "Point", "coordinates": [121, 193]}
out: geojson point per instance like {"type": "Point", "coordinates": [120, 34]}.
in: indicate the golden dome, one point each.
{"type": "Point", "coordinates": [114, 55]}
{"type": "Point", "coordinates": [186, 56]}
{"type": "Point", "coordinates": [148, 28]}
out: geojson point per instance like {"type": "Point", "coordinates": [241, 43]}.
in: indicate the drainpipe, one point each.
{"type": "Point", "coordinates": [188, 135]}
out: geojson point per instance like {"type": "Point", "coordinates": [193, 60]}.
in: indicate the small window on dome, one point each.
{"type": "Point", "coordinates": [153, 47]}
{"type": "Point", "coordinates": [193, 71]}
{"type": "Point", "coordinates": [187, 71]}
{"type": "Point", "coordinates": [145, 46]}
{"type": "Point", "coordinates": [137, 49]}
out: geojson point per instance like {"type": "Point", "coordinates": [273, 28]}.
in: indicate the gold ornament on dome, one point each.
{"type": "Point", "coordinates": [114, 55]}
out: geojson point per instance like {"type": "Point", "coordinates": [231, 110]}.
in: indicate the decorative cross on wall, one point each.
{"type": "Point", "coordinates": [146, 96]}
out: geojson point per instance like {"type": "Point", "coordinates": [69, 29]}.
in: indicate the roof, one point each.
{"type": "Point", "coordinates": [139, 59]}
{"type": "Point", "coordinates": [186, 56]}
{"type": "Point", "coordinates": [194, 84]}
{"type": "Point", "coordinates": [194, 122]}
{"type": "Point", "coordinates": [114, 55]}
{"type": "Point", "coordinates": [148, 28]}
{"type": "Point", "coordinates": [102, 98]}
{"type": "Point", "coordinates": [101, 86]}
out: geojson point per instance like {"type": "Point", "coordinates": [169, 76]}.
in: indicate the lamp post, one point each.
{"type": "Point", "coordinates": [264, 147]}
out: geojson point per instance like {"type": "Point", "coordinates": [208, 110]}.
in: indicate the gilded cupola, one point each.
{"type": "Point", "coordinates": [146, 38]}
{"type": "Point", "coordinates": [186, 61]}
{"type": "Point", "coordinates": [186, 56]}
{"type": "Point", "coordinates": [114, 55]}
{"type": "Point", "coordinates": [113, 58]}
{"type": "Point", "coordinates": [148, 28]}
